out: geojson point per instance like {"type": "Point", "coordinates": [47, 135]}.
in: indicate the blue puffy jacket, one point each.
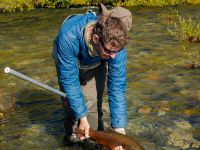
{"type": "Point", "coordinates": [69, 48]}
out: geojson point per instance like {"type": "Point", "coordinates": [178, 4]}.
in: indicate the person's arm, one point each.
{"type": "Point", "coordinates": [117, 90]}
{"type": "Point", "coordinates": [67, 46]}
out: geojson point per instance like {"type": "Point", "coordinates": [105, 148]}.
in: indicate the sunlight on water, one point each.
{"type": "Point", "coordinates": [163, 93]}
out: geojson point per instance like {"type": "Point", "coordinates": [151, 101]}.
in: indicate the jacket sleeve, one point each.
{"type": "Point", "coordinates": [67, 47]}
{"type": "Point", "coordinates": [117, 89]}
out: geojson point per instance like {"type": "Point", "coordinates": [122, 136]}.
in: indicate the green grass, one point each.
{"type": "Point", "coordinates": [182, 28]}
{"type": "Point", "coordinates": [13, 5]}
{"type": "Point", "coordinates": [185, 29]}
{"type": "Point", "coordinates": [168, 16]}
{"type": "Point", "coordinates": [152, 3]}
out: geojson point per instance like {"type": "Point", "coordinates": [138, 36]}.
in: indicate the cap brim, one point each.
{"type": "Point", "coordinates": [103, 9]}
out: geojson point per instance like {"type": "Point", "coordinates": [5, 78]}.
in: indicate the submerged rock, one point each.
{"type": "Point", "coordinates": [181, 136]}
{"type": "Point", "coordinates": [1, 115]}
{"type": "Point", "coordinates": [34, 130]}
{"type": "Point", "coordinates": [193, 65]}
{"type": "Point", "coordinates": [145, 109]}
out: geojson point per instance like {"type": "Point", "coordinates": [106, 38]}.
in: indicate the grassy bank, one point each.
{"type": "Point", "coordinates": [152, 3]}
{"type": "Point", "coordinates": [13, 5]}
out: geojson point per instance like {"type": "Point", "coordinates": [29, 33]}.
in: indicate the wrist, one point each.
{"type": "Point", "coordinates": [120, 130]}
{"type": "Point", "coordinates": [83, 118]}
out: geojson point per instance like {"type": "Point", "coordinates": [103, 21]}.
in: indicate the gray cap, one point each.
{"type": "Point", "coordinates": [118, 12]}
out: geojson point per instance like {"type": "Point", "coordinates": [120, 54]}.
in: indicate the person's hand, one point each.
{"type": "Point", "coordinates": [119, 148]}
{"type": "Point", "coordinates": [122, 131]}
{"type": "Point", "coordinates": [84, 125]}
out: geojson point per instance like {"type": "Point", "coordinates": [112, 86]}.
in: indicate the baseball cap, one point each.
{"type": "Point", "coordinates": [118, 12]}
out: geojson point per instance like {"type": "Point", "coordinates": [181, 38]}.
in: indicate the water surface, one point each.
{"type": "Point", "coordinates": [163, 94]}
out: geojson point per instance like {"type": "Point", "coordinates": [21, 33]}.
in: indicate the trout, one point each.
{"type": "Point", "coordinates": [111, 139]}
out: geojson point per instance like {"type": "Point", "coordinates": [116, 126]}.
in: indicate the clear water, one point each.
{"type": "Point", "coordinates": [163, 94]}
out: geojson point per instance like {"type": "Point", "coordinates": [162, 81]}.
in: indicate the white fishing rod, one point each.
{"type": "Point", "coordinates": [26, 78]}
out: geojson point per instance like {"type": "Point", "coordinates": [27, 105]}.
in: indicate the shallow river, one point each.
{"type": "Point", "coordinates": [163, 93]}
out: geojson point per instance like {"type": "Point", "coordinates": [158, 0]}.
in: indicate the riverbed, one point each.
{"type": "Point", "coordinates": [163, 93]}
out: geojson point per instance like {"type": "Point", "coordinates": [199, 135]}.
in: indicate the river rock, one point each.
{"type": "Point", "coordinates": [145, 109]}
{"type": "Point", "coordinates": [1, 115]}
{"type": "Point", "coordinates": [181, 136]}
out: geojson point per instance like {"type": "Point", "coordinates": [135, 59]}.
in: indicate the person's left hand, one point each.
{"type": "Point", "coordinates": [122, 131]}
{"type": "Point", "coordinates": [119, 148]}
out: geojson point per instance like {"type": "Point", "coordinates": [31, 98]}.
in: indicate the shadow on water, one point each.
{"type": "Point", "coordinates": [38, 115]}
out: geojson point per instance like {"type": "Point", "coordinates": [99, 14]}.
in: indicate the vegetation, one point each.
{"type": "Point", "coordinates": [129, 3]}
{"type": "Point", "coordinates": [12, 5]}
{"type": "Point", "coordinates": [168, 16]}
{"type": "Point", "coordinates": [183, 28]}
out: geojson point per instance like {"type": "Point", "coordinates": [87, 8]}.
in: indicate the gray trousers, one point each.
{"type": "Point", "coordinates": [93, 84]}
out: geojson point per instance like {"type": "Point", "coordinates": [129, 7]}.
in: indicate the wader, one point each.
{"type": "Point", "coordinates": [92, 80]}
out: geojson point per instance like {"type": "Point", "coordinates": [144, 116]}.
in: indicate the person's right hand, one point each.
{"type": "Point", "coordinates": [84, 125]}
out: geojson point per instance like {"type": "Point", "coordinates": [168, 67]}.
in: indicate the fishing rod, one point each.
{"type": "Point", "coordinates": [8, 70]}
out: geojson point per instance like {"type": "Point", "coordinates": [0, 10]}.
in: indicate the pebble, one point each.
{"type": "Point", "coordinates": [1, 115]}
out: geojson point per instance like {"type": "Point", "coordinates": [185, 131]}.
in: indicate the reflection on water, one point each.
{"type": "Point", "coordinates": [163, 94]}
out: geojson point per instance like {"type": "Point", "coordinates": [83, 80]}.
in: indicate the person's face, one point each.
{"type": "Point", "coordinates": [105, 51]}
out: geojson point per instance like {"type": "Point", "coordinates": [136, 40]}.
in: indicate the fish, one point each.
{"type": "Point", "coordinates": [112, 139]}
